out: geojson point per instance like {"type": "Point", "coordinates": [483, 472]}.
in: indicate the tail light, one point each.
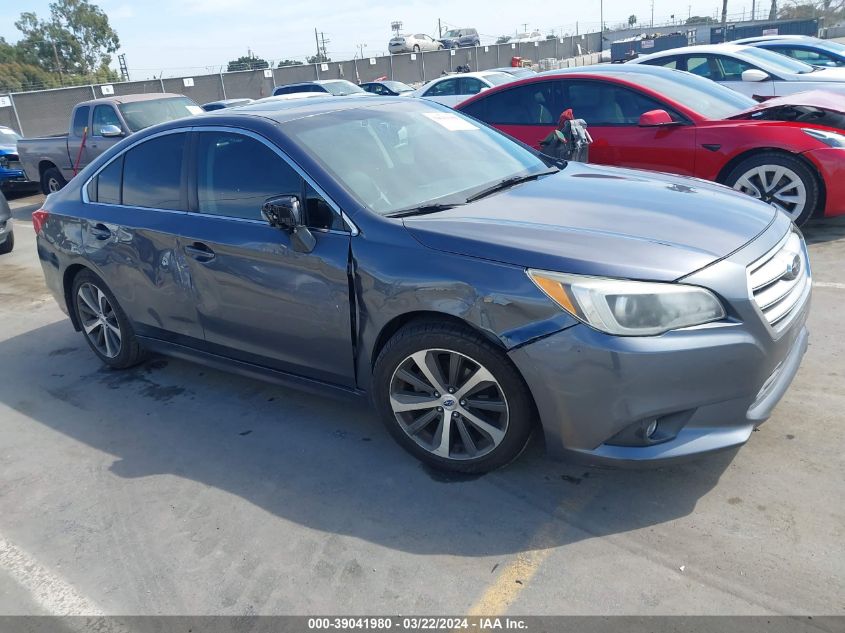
{"type": "Point", "coordinates": [38, 219]}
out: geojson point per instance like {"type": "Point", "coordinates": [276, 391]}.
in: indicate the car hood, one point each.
{"type": "Point", "coordinates": [601, 221]}
{"type": "Point", "coordinates": [824, 99]}
{"type": "Point", "coordinates": [8, 149]}
{"type": "Point", "coordinates": [823, 74]}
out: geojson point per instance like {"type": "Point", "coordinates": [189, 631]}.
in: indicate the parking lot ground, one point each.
{"type": "Point", "coordinates": [176, 489]}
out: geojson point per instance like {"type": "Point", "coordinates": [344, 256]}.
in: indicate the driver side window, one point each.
{"type": "Point", "coordinates": [444, 88]}
{"type": "Point", "coordinates": [731, 69]}
{"type": "Point", "coordinates": [104, 115]}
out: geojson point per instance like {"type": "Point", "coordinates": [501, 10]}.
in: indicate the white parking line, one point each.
{"type": "Point", "coordinates": [829, 284]}
{"type": "Point", "coordinates": [49, 591]}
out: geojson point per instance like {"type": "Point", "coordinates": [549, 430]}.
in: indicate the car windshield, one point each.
{"type": "Point", "coordinates": [142, 114]}
{"type": "Point", "coordinates": [497, 79]}
{"type": "Point", "coordinates": [399, 152]}
{"type": "Point", "coordinates": [8, 138]}
{"type": "Point", "coordinates": [707, 98]}
{"type": "Point", "coordinates": [775, 62]}
{"type": "Point", "coordinates": [830, 46]}
{"type": "Point", "coordinates": [340, 88]}
{"type": "Point", "coordinates": [452, 33]}
{"type": "Point", "coordinates": [397, 86]}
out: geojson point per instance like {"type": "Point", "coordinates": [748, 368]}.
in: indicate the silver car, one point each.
{"type": "Point", "coordinates": [752, 71]}
{"type": "Point", "coordinates": [413, 44]}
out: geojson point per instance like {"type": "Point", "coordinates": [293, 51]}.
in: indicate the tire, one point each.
{"type": "Point", "coordinates": [8, 245]}
{"type": "Point", "coordinates": [416, 48]}
{"type": "Point", "coordinates": [51, 181]}
{"type": "Point", "coordinates": [101, 338]}
{"type": "Point", "coordinates": [779, 179]}
{"type": "Point", "coordinates": [487, 430]}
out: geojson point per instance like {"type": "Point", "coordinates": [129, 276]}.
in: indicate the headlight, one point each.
{"type": "Point", "coordinates": [629, 308]}
{"type": "Point", "coordinates": [828, 138]}
{"type": "Point", "coordinates": [4, 162]}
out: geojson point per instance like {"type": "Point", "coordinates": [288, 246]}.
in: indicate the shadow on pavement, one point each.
{"type": "Point", "coordinates": [322, 464]}
{"type": "Point", "coordinates": [824, 230]}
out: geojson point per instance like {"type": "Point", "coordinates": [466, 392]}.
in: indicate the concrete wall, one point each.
{"type": "Point", "coordinates": [46, 111]}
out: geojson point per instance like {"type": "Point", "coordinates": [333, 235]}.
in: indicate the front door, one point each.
{"type": "Point", "coordinates": [259, 299]}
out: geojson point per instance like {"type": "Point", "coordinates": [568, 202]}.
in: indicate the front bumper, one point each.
{"type": "Point", "coordinates": [5, 230]}
{"type": "Point", "coordinates": [831, 166]}
{"type": "Point", "coordinates": [707, 387]}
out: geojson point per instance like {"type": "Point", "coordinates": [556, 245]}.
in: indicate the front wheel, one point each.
{"type": "Point", "coordinates": [51, 181]}
{"type": "Point", "coordinates": [8, 245]}
{"type": "Point", "coordinates": [781, 180]}
{"type": "Point", "coordinates": [451, 398]}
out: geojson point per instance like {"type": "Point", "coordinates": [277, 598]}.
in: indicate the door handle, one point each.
{"type": "Point", "coordinates": [200, 252]}
{"type": "Point", "coordinates": [100, 231]}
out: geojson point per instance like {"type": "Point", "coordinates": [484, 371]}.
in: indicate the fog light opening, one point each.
{"type": "Point", "coordinates": [651, 429]}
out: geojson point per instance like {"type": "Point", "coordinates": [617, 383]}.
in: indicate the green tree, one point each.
{"type": "Point", "coordinates": [17, 77]}
{"type": "Point", "coordinates": [632, 20]}
{"type": "Point", "coordinates": [247, 62]}
{"type": "Point", "coordinates": [831, 10]}
{"type": "Point", "coordinates": [773, 10]}
{"type": "Point", "coordinates": [699, 19]}
{"type": "Point", "coordinates": [76, 39]}
{"type": "Point", "coordinates": [319, 59]}
{"type": "Point", "coordinates": [289, 62]}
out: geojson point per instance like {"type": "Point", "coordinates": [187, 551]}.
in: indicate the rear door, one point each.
{"type": "Point", "coordinates": [260, 300]}
{"type": "Point", "coordinates": [79, 125]}
{"type": "Point", "coordinates": [137, 202]}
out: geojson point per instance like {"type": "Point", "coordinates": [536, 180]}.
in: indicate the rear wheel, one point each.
{"type": "Point", "coordinates": [451, 398]}
{"type": "Point", "coordinates": [51, 181]}
{"type": "Point", "coordinates": [416, 48]}
{"type": "Point", "coordinates": [104, 324]}
{"type": "Point", "coordinates": [781, 180]}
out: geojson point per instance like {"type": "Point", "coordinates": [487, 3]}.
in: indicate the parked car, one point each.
{"type": "Point", "coordinates": [12, 176]}
{"type": "Point", "coordinates": [810, 50]}
{"type": "Point", "coordinates": [387, 88]}
{"type": "Point", "coordinates": [224, 103]}
{"type": "Point", "coordinates": [784, 151]}
{"type": "Point", "coordinates": [527, 38]}
{"type": "Point", "coordinates": [322, 244]}
{"type": "Point", "coordinates": [413, 44]}
{"type": "Point", "coordinates": [7, 235]}
{"type": "Point", "coordinates": [450, 90]}
{"type": "Point", "coordinates": [457, 38]}
{"type": "Point", "coordinates": [294, 96]}
{"type": "Point", "coordinates": [51, 160]}
{"type": "Point", "coordinates": [334, 87]}
{"type": "Point", "coordinates": [752, 71]}
{"type": "Point", "coordinates": [515, 71]}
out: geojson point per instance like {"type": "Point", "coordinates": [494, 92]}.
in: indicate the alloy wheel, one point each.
{"type": "Point", "coordinates": [98, 320]}
{"type": "Point", "coordinates": [776, 185]}
{"type": "Point", "coordinates": [449, 404]}
{"type": "Point", "coordinates": [53, 185]}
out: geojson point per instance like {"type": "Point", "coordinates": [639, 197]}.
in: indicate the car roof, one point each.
{"type": "Point", "coordinates": [772, 38]}
{"type": "Point", "coordinates": [282, 111]}
{"type": "Point", "coordinates": [706, 48]}
{"type": "Point", "coordinates": [803, 41]}
{"type": "Point", "coordinates": [148, 96]}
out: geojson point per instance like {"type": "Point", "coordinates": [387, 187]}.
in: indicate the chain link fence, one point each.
{"type": "Point", "coordinates": [45, 112]}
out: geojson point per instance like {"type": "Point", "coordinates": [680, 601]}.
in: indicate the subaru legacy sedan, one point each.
{"type": "Point", "coordinates": [323, 244]}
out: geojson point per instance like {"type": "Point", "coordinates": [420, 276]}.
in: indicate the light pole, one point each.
{"type": "Point", "coordinates": [361, 48]}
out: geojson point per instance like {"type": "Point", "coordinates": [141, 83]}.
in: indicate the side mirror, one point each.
{"type": "Point", "coordinates": [110, 131]}
{"type": "Point", "coordinates": [754, 74]}
{"type": "Point", "coordinates": [285, 213]}
{"type": "Point", "coordinates": [655, 118]}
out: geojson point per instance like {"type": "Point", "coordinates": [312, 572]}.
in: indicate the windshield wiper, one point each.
{"type": "Point", "coordinates": [507, 183]}
{"type": "Point", "coordinates": [422, 210]}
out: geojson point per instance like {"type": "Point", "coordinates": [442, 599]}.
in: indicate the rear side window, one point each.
{"type": "Point", "coordinates": [443, 88]}
{"type": "Point", "coordinates": [237, 174]}
{"type": "Point", "coordinates": [80, 120]}
{"type": "Point", "coordinates": [609, 104]}
{"type": "Point", "coordinates": [152, 173]}
{"type": "Point", "coordinates": [109, 181]}
{"type": "Point", "coordinates": [537, 103]}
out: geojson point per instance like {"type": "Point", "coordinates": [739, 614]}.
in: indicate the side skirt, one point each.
{"type": "Point", "coordinates": [250, 370]}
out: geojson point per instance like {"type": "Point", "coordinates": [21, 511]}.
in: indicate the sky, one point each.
{"type": "Point", "coordinates": [184, 37]}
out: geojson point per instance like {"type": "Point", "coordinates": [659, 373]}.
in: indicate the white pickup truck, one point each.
{"type": "Point", "coordinates": [53, 160]}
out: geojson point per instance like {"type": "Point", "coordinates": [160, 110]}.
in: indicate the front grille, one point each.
{"type": "Point", "coordinates": [780, 281]}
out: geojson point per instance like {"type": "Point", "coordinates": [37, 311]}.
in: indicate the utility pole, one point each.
{"type": "Point", "coordinates": [124, 69]}
{"type": "Point", "coordinates": [525, 27]}
{"type": "Point", "coordinates": [652, 13]}
{"type": "Point", "coordinates": [323, 47]}
{"type": "Point", "coordinates": [724, 20]}
{"type": "Point", "coordinates": [753, 10]}
{"type": "Point", "coordinates": [58, 66]}
{"type": "Point", "coordinates": [601, 25]}
{"type": "Point", "coordinates": [439, 28]}
{"type": "Point", "coordinates": [317, 42]}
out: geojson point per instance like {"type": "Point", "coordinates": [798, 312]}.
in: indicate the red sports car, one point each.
{"type": "Point", "coordinates": [788, 151]}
